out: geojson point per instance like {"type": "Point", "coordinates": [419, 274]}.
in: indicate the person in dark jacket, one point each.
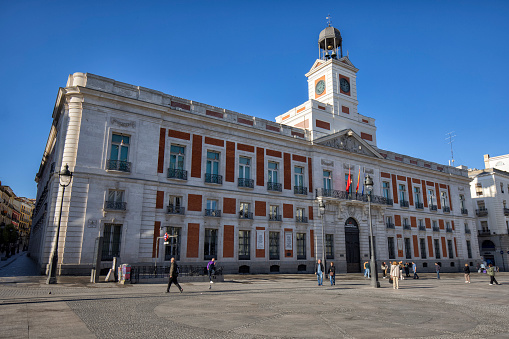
{"type": "Point", "coordinates": [466, 270]}
{"type": "Point", "coordinates": [332, 274]}
{"type": "Point", "coordinates": [491, 272]}
{"type": "Point", "coordinates": [173, 276]}
{"type": "Point", "coordinates": [319, 272]}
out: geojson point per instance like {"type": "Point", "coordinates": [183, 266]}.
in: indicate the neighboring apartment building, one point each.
{"type": "Point", "coordinates": [7, 197]}
{"type": "Point", "coordinates": [26, 207]}
{"type": "Point", "coordinates": [238, 188]}
{"type": "Point", "coordinates": [17, 211]}
{"type": "Point", "coordinates": [490, 195]}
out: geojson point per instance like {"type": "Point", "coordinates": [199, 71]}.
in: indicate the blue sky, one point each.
{"type": "Point", "coordinates": [425, 67]}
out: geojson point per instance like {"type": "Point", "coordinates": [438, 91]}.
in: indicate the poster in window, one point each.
{"type": "Point", "coordinates": [288, 241]}
{"type": "Point", "coordinates": [400, 244]}
{"type": "Point", "coordinates": [260, 240]}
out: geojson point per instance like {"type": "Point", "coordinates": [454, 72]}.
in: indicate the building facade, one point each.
{"type": "Point", "coordinates": [238, 188]}
{"type": "Point", "coordinates": [490, 196]}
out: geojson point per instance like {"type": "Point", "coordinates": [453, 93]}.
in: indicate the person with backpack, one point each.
{"type": "Point", "coordinates": [211, 269]}
{"type": "Point", "coordinates": [174, 272]}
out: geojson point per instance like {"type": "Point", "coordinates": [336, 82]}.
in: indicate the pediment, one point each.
{"type": "Point", "coordinates": [317, 64]}
{"type": "Point", "coordinates": [347, 61]}
{"type": "Point", "coordinates": [348, 140]}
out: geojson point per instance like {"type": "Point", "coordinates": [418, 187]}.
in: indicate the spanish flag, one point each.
{"type": "Point", "coordinates": [358, 180]}
{"type": "Point", "coordinates": [349, 180]}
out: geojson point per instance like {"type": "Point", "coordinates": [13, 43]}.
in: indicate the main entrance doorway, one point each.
{"type": "Point", "coordinates": [353, 254]}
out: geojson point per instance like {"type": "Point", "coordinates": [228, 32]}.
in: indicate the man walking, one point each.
{"type": "Point", "coordinates": [173, 276]}
{"type": "Point", "coordinates": [491, 273]}
{"type": "Point", "coordinates": [366, 269]}
{"type": "Point", "coordinates": [437, 269]}
{"type": "Point", "coordinates": [211, 269]}
{"type": "Point", "coordinates": [319, 272]}
{"type": "Point", "coordinates": [466, 270]}
{"type": "Point", "coordinates": [414, 269]}
{"type": "Point", "coordinates": [332, 274]}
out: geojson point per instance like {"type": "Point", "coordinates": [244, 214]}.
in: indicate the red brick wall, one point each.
{"type": "Point", "coordinates": [273, 153]}
{"type": "Point", "coordinates": [444, 248]}
{"type": "Point", "coordinates": [394, 189]}
{"type": "Point", "coordinates": [287, 211]}
{"type": "Point", "coordinates": [160, 199]}
{"type": "Point", "coordinates": [228, 241]}
{"type": "Point", "coordinates": [229, 206]}
{"type": "Point", "coordinates": [430, 246]}
{"type": "Point", "coordinates": [260, 208]}
{"type": "Point", "coordinates": [196, 156]}
{"type": "Point", "coordinates": [179, 135]}
{"type": "Point", "coordinates": [260, 166]}
{"type": "Point", "coordinates": [230, 162]}
{"type": "Point", "coordinates": [385, 175]}
{"type": "Point", "coordinates": [300, 158]}
{"type": "Point", "coordinates": [366, 136]}
{"type": "Point", "coordinates": [410, 191]}
{"type": "Point", "coordinates": [416, 246]}
{"type": "Point", "coordinates": [214, 141]}
{"type": "Point", "coordinates": [424, 194]}
{"type": "Point", "coordinates": [345, 109]}
{"type": "Point", "coordinates": [194, 202]}
{"type": "Point", "coordinates": [428, 222]}
{"type": "Point", "coordinates": [157, 227]}
{"type": "Point", "coordinates": [397, 220]}
{"type": "Point", "coordinates": [310, 209]}
{"type": "Point", "coordinates": [287, 171]}
{"type": "Point", "coordinates": [437, 194]}
{"type": "Point", "coordinates": [452, 224]}
{"type": "Point", "coordinates": [193, 240]}
{"type": "Point", "coordinates": [322, 124]}
{"type": "Point", "coordinates": [160, 158]}
{"type": "Point", "coordinates": [413, 221]}
{"type": "Point", "coordinates": [449, 194]}
{"type": "Point", "coordinates": [441, 224]}
{"type": "Point", "coordinates": [246, 148]}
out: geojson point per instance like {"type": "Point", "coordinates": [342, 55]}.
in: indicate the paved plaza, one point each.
{"type": "Point", "coordinates": [258, 306]}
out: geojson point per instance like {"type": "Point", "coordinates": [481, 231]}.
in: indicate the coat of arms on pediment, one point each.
{"type": "Point", "coordinates": [349, 141]}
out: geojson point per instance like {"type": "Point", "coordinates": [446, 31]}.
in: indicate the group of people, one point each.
{"type": "Point", "coordinates": [174, 272]}
{"type": "Point", "coordinates": [319, 271]}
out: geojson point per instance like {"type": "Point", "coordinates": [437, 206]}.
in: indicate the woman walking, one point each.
{"type": "Point", "coordinates": [466, 270]}
{"type": "Point", "coordinates": [384, 269]}
{"type": "Point", "coordinates": [332, 274]}
{"type": "Point", "coordinates": [395, 272]}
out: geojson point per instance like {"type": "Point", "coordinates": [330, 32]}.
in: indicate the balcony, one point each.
{"type": "Point", "coordinates": [212, 213]}
{"type": "Point", "coordinates": [422, 228]}
{"type": "Point", "coordinates": [467, 231]}
{"type": "Point", "coordinates": [389, 225]}
{"type": "Point", "coordinates": [433, 208]}
{"type": "Point", "coordinates": [118, 165]}
{"type": "Point", "coordinates": [247, 183]}
{"type": "Point", "coordinates": [245, 215]}
{"type": "Point", "coordinates": [115, 205]}
{"type": "Point", "coordinates": [177, 174]}
{"type": "Point", "coordinates": [419, 205]}
{"type": "Point", "coordinates": [301, 219]}
{"type": "Point", "coordinates": [275, 217]}
{"type": "Point", "coordinates": [446, 209]}
{"type": "Point", "coordinates": [176, 210]}
{"type": "Point", "coordinates": [484, 232]}
{"type": "Point", "coordinates": [436, 229]}
{"type": "Point", "coordinates": [213, 178]}
{"type": "Point", "coordinates": [448, 230]}
{"type": "Point", "coordinates": [403, 203]}
{"type": "Point", "coordinates": [506, 211]}
{"type": "Point", "coordinates": [481, 212]}
{"type": "Point", "coordinates": [300, 190]}
{"type": "Point", "coordinates": [344, 195]}
{"type": "Point", "coordinates": [407, 227]}
{"type": "Point", "coordinates": [274, 186]}
{"type": "Point", "coordinates": [464, 211]}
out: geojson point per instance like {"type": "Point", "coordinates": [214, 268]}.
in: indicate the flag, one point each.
{"type": "Point", "coordinates": [358, 180]}
{"type": "Point", "coordinates": [348, 182]}
{"type": "Point", "coordinates": [363, 186]}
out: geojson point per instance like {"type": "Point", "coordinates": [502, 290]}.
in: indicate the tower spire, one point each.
{"type": "Point", "coordinates": [329, 20]}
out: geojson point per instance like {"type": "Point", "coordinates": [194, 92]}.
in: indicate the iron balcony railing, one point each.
{"type": "Point", "coordinates": [448, 229]}
{"type": "Point", "coordinates": [212, 213]}
{"type": "Point", "coordinates": [403, 203]}
{"type": "Point", "coordinates": [481, 212]}
{"type": "Point", "coordinates": [274, 186]}
{"type": "Point", "coordinates": [300, 190]}
{"type": "Point", "coordinates": [389, 225]}
{"type": "Point", "coordinates": [275, 217]}
{"type": "Point", "coordinates": [118, 165]}
{"type": "Point", "coordinates": [406, 227]}
{"type": "Point", "coordinates": [433, 207]}
{"type": "Point", "coordinates": [247, 183]}
{"type": "Point", "coordinates": [419, 205]}
{"type": "Point", "coordinates": [422, 228]}
{"type": "Point", "coordinates": [467, 231]}
{"type": "Point", "coordinates": [176, 210]}
{"type": "Point", "coordinates": [177, 174]}
{"type": "Point", "coordinates": [115, 205]}
{"type": "Point", "coordinates": [506, 211]}
{"type": "Point", "coordinates": [484, 232]}
{"type": "Point", "coordinates": [464, 211]}
{"type": "Point", "coordinates": [301, 219]}
{"type": "Point", "coordinates": [436, 229]}
{"type": "Point", "coordinates": [213, 178]}
{"type": "Point", "coordinates": [245, 215]}
{"type": "Point", "coordinates": [344, 195]}
{"type": "Point", "coordinates": [446, 209]}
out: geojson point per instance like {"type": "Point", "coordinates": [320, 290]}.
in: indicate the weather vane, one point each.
{"type": "Point", "coordinates": [329, 20]}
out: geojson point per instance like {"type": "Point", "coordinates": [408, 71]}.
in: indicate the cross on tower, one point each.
{"type": "Point", "coordinates": [329, 20]}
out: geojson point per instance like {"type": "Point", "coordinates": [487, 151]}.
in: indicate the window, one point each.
{"type": "Point", "coordinates": [175, 206]}
{"type": "Point", "coordinates": [420, 223]}
{"type": "Point", "coordinates": [417, 197]}
{"type": "Point", "coordinates": [301, 246]}
{"type": "Point", "coordinates": [402, 192]}
{"type": "Point", "coordinates": [111, 241]}
{"type": "Point", "coordinates": [119, 154]}
{"type": "Point", "coordinates": [212, 170]}
{"type": "Point", "coordinates": [244, 211]}
{"type": "Point", "coordinates": [408, 249]}
{"type": "Point", "coordinates": [299, 215]}
{"type": "Point", "coordinates": [172, 250]}
{"type": "Point", "coordinates": [299, 180]}
{"type": "Point", "coordinates": [422, 244]}
{"type": "Point", "coordinates": [212, 209]}
{"type": "Point", "coordinates": [437, 248]}
{"type": "Point", "coordinates": [177, 154]}
{"type": "Point", "coordinates": [245, 173]}
{"type": "Point", "coordinates": [388, 222]}
{"type": "Point", "coordinates": [273, 172]}
{"type": "Point", "coordinates": [444, 199]}
{"type": "Point", "coordinates": [449, 248]}
{"type": "Point", "coordinates": [210, 244]}
{"type": "Point", "coordinates": [448, 226]}
{"type": "Point", "coordinates": [274, 213]}
{"type": "Point", "coordinates": [386, 190]}
{"type": "Point", "coordinates": [478, 189]}
{"type": "Point", "coordinates": [274, 245]}
{"type": "Point", "coordinates": [462, 201]}
{"type": "Point", "coordinates": [405, 222]}
{"type": "Point", "coordinates": [329, 246]}
{"type": "Point", "coordinates": [484, 226]}
{"type": "Point", "coordinates": [244, 245]}
{"type": "Point", "coordinates": [469, 250]}
{"type": "Point", "coordinates": [390, 245]}
{"type": "Point", "coordinates": [501, 187]}
{"type": "Point", "coordinates": [115, 200]}
{"type": "Point", "coordinates": [431, 198]}
{"type": "Point", "coordinates": [327, 180]}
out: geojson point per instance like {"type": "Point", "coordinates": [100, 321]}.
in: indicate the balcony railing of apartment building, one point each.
{"type": "Point", "coordinates": [212, 213]}
{"type": "Point", "coordinates": [436, 229]}
{"type": "Point", "coordinates": [422, 228]}
{"type": "Point", "coordinates": [389, 225]}
{"type": "Point", "coordinates": [448, 229]}
{"type": "Point", "coordinates": [403, 203]}
{"type": "Point", "coordinates": [245, 215]}
{"type": "Point", "coordinates": [446, 209]}
{"type": "Point", "coordinates": [213, 178]}
{"type": "Point", "coordinates": [467, 231]}
{"type": "Point", "coordinates": [300, 190]}
{"type": "Point", "coordinates": [177, 174]}
{"type": "Point", "coordinates": [176, 210]}
{"type": "Point", "coordinates": [407, 227]}
{"type": "Point", "coordinates": [419, 205]}
{"type": "Point", "coordinates": [345, 195]}
{"type": "Point", "coordinates": [275, 217]}
{"type": "Point", "coordinates": [506, 211]}
{"type": "Point", "coordinates": [464, 211]}
{"type": "Point", "coordinates": [274, 186]}
{"type": "Point", "coordinates": [484, 232]}
{"type": "Point", "coordinates": [118, 165]}
{"type": "Point", "coordinates": [115, 205]}
{"type": "Point", "coordinates": [301, 219]}
{"type": "Point", "coordinates": [433, 207]}
{"type": "Point", "coordinates": [481, 212]}
{"type": "Point", "coordinates": [247, 183]}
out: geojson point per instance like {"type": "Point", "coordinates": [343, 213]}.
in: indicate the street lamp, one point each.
{"type": "Point", "coordinates": [368, 182]}
{"type": "Point", "coordinates": [65, 178]}
{"type": "Point", "coordinates": [321, 207]}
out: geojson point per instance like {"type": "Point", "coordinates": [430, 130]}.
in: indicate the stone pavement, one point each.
{"type": "Point", "coordinates": [255, 306]}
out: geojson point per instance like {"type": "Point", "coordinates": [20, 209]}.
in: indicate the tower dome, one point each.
{"type": "Point", "coordinates": [330, 43]}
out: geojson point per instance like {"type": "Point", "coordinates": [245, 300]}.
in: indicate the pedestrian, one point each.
{"type": "Point", "coordinates": [466, 270]}
{"type": "Point", "coordinates": [332, 274]}
{"type": "Point", "coordinates": [407, 269]}
{"type": "Point", "coordinates": [174, 272]}
{"type": "Point", "coordinates": [491, 272]}
{"type": "Point", "coordinates": [384, 270]}
{"type": "Point", "coordinates": [211, 269]}
{"type": "Point", "coordinates": [366, 269]}
{"type": "Point", "coordinates": [401, 270]}
{"type": "Point", "coordinates": [319, 272]}
{"type": "Point", "coordinates": [395, 273]}
{"type": "Point", "coordinates": [437, 269]}
{"type": "Point", "coordinates": [414, 269]}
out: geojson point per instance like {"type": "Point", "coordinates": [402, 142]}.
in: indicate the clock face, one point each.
{"type": "Point", "coordinates": [344, 85]}
{"type": "Point", "coordinates": [320, 87]}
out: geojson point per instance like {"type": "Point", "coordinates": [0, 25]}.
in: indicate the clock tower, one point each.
{"type": "Point", "coordinates": [332, 91]}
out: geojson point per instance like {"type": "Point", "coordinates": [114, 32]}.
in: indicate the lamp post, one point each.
{"type": "Point", "coordinates": [65, 178]}
{"type": "Point", "coordinates": [321, 207]}
{"type": "Point", "coordinates": [368, 182]}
